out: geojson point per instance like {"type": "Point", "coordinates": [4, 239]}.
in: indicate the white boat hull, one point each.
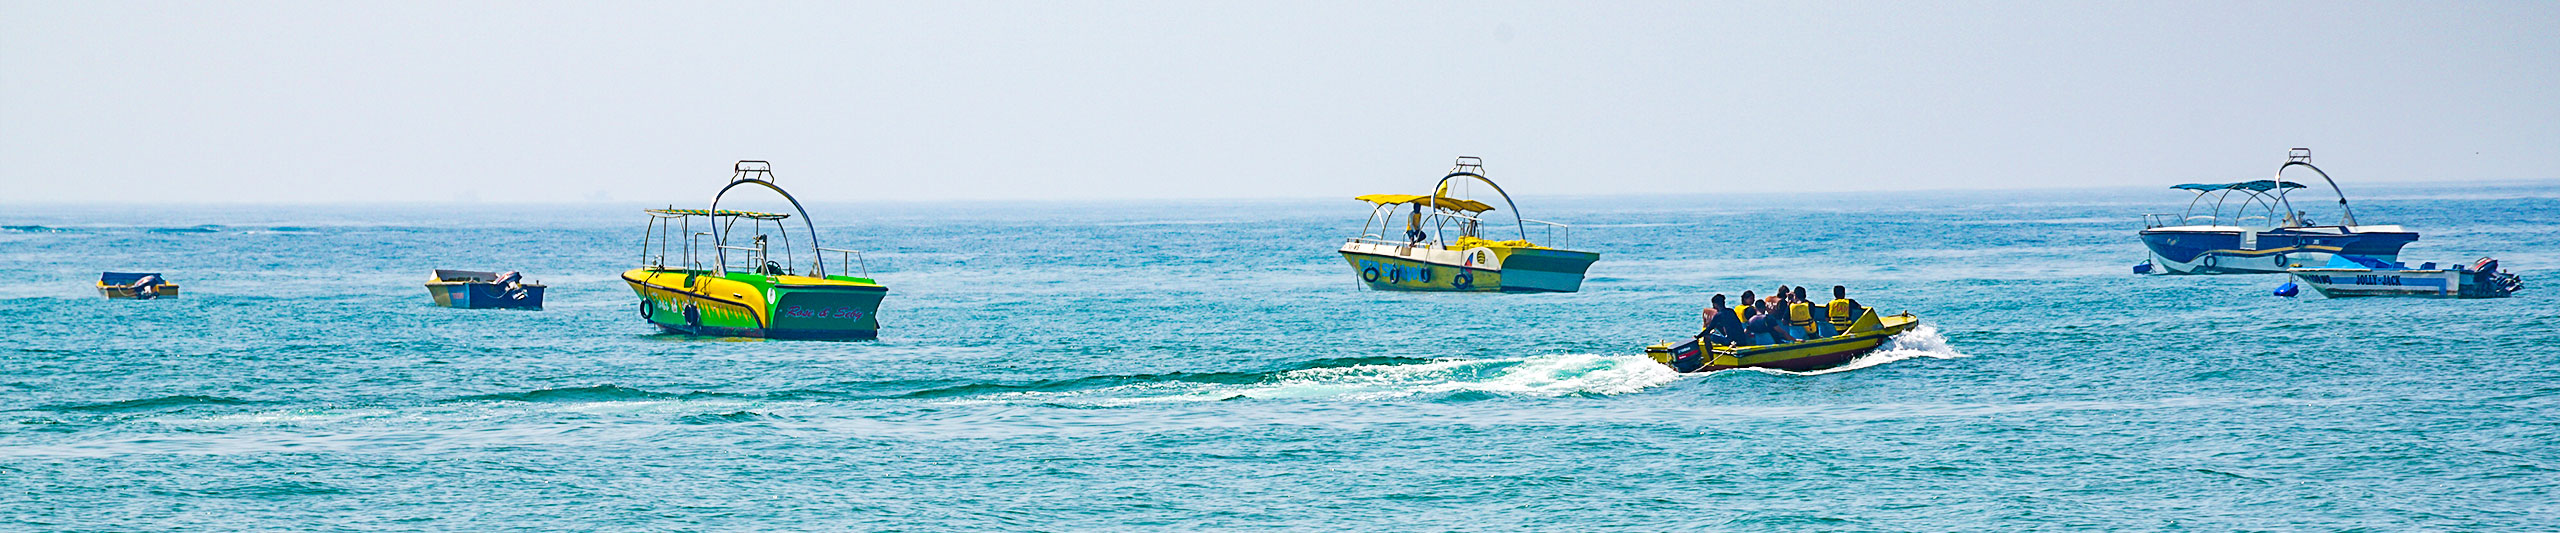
{"type": "Point", "coordinates": [2355, 282]}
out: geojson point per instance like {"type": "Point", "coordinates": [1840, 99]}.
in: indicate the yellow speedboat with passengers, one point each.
{"type": "Point", "coordinates": [1863, 336]}
{"type": "Point", "coordinates": [770, 298]}
{"type": "Point", "coordinates": [1441, 248]}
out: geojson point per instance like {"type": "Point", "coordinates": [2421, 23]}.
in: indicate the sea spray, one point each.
{"type": "Point", "coordinates": [1533, 376]}
{"type": "Point", "coordinates": [1923, 341]}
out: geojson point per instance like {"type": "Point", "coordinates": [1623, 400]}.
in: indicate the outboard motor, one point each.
{"type": "Point", "coordinates": [2500, 283]}
{"type": "Point", "coordinates": [146, 287]}
{"type": "Point", "coordinates": [511, 284]}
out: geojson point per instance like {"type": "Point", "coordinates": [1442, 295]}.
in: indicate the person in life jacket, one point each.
{"type": "Point", "coordinates": [1763, 322]}
{"type": "Point", "coordinates": [1843, 310]}
{"type": "Point", "coordinates": [1742, 312]}
{"type": "Point", "coordinates": [1413, 226]}
{"type": "Point", "coordinates": [1721, 324]}
{"type": "Point", "coordinates": [1800, 313]}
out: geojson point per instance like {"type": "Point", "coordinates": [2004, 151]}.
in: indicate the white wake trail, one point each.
{"type": "Point", "coordinates": [1923, 341]}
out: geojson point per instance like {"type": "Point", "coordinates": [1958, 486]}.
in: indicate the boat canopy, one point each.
{"type": "Point", "coordinates": [1463, 205]}
{"type": "Point", "coordinates": [2357, 261]}
{"type": "Point", "coordinates": [2253, 186]}
{"type": "Point", "coordinates": [720, 213]}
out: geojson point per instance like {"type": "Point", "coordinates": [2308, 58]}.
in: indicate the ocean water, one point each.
{"type": "Point", "coordinates": [1212, 365]}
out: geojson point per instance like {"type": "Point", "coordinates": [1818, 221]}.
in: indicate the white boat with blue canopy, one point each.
{"type": "Point", "coordinates": [2253, 228]}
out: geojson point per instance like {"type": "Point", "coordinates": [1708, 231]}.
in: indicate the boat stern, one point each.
{"type": "Point", "coordinates": [1545, 269]}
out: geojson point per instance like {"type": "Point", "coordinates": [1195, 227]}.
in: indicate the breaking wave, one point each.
{"type": "Point", "coordinates": [149, 404]}
{"type": "Point", "coordinates": [599, 393]}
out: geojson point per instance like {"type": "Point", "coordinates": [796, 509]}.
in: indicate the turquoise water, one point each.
{"type": "Point", "coordinates": [1213, 365]}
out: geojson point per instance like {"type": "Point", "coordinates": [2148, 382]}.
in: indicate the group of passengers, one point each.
{"type": "Point", "coordinates": [1782, 318]}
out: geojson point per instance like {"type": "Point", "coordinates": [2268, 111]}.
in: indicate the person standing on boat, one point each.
{"type": "Point", "coordinates": [1843, 310]}
{"type": "Point", "coordinates": [1721, 326]}
{"type": "Point", "coordinates": [1413, 226]}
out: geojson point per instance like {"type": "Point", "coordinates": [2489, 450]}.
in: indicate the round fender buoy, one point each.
{"type": "Point", "coordinates": [647, 308]}
{"type": "Point", "coordinates": [692, 316]}
{"type": "Point", "coordinates": [1463, 280]}
{"type": "Point", "coordinates": [1423, 276]}
{"type": "Point", "coordinates": [1369, 275]}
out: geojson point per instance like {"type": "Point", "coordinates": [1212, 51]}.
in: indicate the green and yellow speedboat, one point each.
{"type": "Point", "coordinates": [770, 297]}
{"type": "Point", "coordinates": [1441, 249]}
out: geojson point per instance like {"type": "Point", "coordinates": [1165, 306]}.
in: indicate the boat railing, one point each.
{"type": "Point", "coordinates": [1550, 234]}
{"type": "Point", "coordinates": [849, 257]}
{"type": "Point", "coordinates": [755, 256]}
{"type": "Point", "coordinates": [1383, 241]}
{"type": "Point", "coordinates": [1557, 235]}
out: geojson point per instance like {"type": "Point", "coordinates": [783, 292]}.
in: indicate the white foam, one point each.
{"type": "Point", "coordinates": [1537, 376]}
{"type": "Point", "coordinates": [1923, 341]}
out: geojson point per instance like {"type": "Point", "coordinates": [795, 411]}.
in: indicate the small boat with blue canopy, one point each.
{"type": "Point", "coordinates": [135, 286]}
{"type": "Point", "coordinates": [750, 282]}
{"type": "Point", "coordinates": [472, 289]}
{"type": "Point", "coordinates": [1444, 248]}
{"type": "Point", "coordinates": [2253, 228]}
{"type": "Point", "coordinates": [2347, 276]}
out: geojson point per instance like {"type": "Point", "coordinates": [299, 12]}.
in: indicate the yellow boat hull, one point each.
{"type": "Point", "coordinates": [1868, 333]}
{"type": "Point", "coordinates": [129, 292]}
{"type": "Point", "coordinates": [1480, 267]}
{"type": "Point", "coordinates": [749, 305]}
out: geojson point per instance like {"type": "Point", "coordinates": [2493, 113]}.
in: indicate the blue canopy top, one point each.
{"type": "Point", "coordinates": [2358, 261]}
{"type": "Point", "coordinates": [2253, 186]}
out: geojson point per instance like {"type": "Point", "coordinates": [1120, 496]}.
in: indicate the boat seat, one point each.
{"type": "Point", "coordinates": [464, 275]}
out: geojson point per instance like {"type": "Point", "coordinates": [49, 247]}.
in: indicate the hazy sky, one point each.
{"type": "Point", "coordinates": [650, 102]}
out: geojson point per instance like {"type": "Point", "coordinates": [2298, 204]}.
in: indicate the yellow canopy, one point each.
{"type": "Point", "coordinates": [1464, 205]}
{"type": "Point", "coordinates": [720, 213]}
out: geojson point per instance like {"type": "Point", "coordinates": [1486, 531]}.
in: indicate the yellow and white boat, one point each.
{"type": "Point", "coordinates": [1869, 332]}
{"type": "Point", "coordinates": [1442, 248]}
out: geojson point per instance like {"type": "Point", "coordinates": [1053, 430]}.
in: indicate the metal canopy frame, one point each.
{"type": "Point", "coordinates": [745, 172]}
{"type": "Point", "coordinates": [2271, 195]}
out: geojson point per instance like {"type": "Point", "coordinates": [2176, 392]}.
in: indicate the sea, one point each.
{"type": "Point", "coordinates": [1195, 365]}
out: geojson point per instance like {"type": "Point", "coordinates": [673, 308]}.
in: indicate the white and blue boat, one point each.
{"type": "Point", "coordinates": [2349, 276]}
{"type": "Point", "coordinates": [2260, 232]}
{"type": "Point", "coordinates": [472, 289]}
